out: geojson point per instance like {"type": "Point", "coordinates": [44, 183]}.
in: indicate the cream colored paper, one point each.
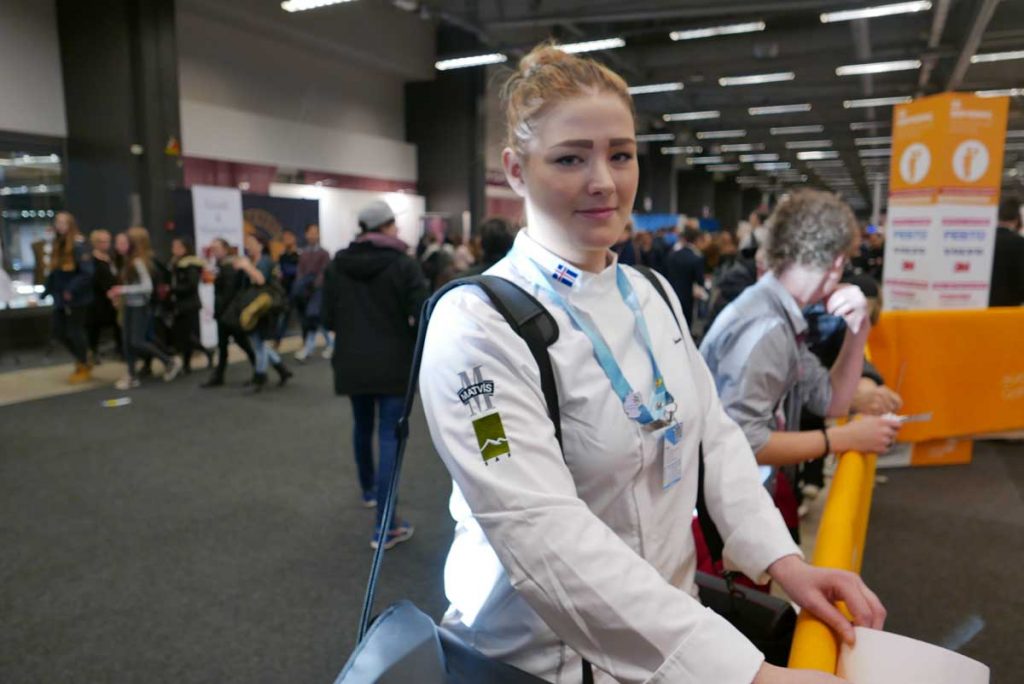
{"type": "Point", "coordinates": [885, 658]}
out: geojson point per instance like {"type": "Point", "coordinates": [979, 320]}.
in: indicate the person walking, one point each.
{"type": "Point", "coordinates": [226, 286]}
{"type": "Point", "coordinates": [69, 282]}
{"type": "Point", "coordinates": [102, 314]}
{"type": "Point", "coordinates": [186, 272]}
{"type": "Point", "coordinates": [372, 296]}
{"type": "Point", "coordinates": [258, 270]}
{"type": "Point", "coordinates": [308, 294]}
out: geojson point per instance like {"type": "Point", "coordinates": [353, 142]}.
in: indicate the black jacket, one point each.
{"type": "Point", "coordinates": [185, 277]}
{"type": "Point", "coordinates": [228, 283]}
{"type": "Point", "coordinates": [1007, 269]}
{"type": "Point", "coordinates": [683, 269]}
{"type": "Point", "coordinates": [373, 292]}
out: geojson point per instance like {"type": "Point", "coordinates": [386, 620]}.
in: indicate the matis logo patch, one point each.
{"type": "Point", "coordinates": [480, 389]}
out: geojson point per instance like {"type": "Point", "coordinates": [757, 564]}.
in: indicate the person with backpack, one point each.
{"type": "Point", "coordinates": [227, 285]}
{"type": "Point", "coordinates": [572, 541]}
{"type": "Point", "coordinates": [258, 270]}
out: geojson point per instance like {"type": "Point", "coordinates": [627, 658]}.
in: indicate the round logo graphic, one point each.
{"type": "Point", "coordinates": [970, 161]}
{"type": "Point", "coordinates": [915, 162]}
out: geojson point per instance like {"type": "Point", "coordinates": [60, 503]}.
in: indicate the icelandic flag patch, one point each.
{"type": "Point", "coordinates": [565, 275]}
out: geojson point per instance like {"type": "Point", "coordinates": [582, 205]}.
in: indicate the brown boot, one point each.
{"type": "Point", "coordinates": [81, 374]}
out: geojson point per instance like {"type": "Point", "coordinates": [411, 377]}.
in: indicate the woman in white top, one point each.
{"type": "Point", "coordinates": [590, 554]}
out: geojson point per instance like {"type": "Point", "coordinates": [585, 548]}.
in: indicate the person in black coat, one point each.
{"type": "Point", "coordinates": [1008, 260]}
{"type": "Point", "coordinates": [102, 313]}
{"type": "Point", "coordinates": [226, 287]}
{"type": "Point", "coordinates": [186, 272]}
{"type": "Point", "coordinates": [684, 269]}
{"type": "Point", "coordinates": [373, 291]}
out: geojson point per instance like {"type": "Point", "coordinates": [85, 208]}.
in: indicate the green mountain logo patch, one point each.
{"type": "Point", "coordinates": [490, 436]}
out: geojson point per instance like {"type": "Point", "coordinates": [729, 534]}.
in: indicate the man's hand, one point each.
{"type": "Point", "coordinates": [874, 399]}
{"type": "Point", "coordinates": [769, 674]}
{"type": "Point", "coordinates": [819, 589]}
{"type": "Point", "coordinates": [866, 434]}
{"type": "Point", "coordinates": [850, 304]}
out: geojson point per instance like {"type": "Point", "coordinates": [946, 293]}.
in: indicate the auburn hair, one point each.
{"type": "Point", "coordinates": [138, 238]}
{"type": "Point", "coordinates": [63, 258]}
{"type": "Point", "coordinates": [546, 76]}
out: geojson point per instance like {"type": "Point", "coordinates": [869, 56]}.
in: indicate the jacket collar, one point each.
{"type": "Point", "coordinates": [785, 301]}
{"type": "Point", "coordinates": [538, 262]}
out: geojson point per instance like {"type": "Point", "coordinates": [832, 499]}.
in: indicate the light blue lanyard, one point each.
{"type": "Point", "coordinates": [632, 401]}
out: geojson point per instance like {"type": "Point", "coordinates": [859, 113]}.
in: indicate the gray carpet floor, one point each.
{"type": "Point", "coordinates": [210, 536]}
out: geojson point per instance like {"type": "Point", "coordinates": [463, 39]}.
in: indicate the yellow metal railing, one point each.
{"type": "Point", "coordinates": [840, 544]}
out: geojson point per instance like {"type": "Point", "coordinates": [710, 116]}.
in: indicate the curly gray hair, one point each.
{"type": "Point", "coordinates": [809, 227]}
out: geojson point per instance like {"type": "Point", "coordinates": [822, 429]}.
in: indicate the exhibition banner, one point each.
{"type": "Point", "coordinates": [217, 213]}
{"type": "Point", "coordinates": [946, 170]}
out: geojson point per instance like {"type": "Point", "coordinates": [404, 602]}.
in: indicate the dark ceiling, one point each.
{"type": "Point", "coordinates": [943, 37]}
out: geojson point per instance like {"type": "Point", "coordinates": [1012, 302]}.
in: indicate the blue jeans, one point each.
{"type": "Point", "coordinates": [265, 354]}
{"type": "Point", "coordinates": [310, 341]}
{"type": "Point", "coordinates": [364, 408]}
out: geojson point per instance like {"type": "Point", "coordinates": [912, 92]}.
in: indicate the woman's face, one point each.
{"type": "Point", "coordinates": [102, 243]}
{"type": "Point", "coordinates": [62, 223]}
{"type": "Point", "coordinates": [579, 177]}
{"type": "Point", "coordinates": [178, 249]}
{"type": "Point", "coordinates": [122, 245]}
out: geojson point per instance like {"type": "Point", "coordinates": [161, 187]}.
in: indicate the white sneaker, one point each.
{"type": "Point", "coordinates": [301, 355]}
{"type": "Point", "coordinates": [174, 369]}
{"type": "Point", "coordinates": [328, 352]}
{"type": "Point", "coordinates": [127, 383]}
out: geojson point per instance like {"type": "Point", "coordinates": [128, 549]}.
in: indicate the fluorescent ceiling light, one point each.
{"type": "Point", "coordinates": [1004, 92]}
{"type": "Point", "coordinates": [655, 137]}
{"type": "Point", "coordinates": [779, 109]}
{"type": "Point", "coordinates": [877, 152]}
{"type": "Point", "coordinates": [687, 149]}
{"type": "Point", "coordinates": [692, 116]}
{"type": "Point", "coordinates": [796, 130]}
{"type": "Point", "coordinates": [592, 45]}
{"type": "Point", "coordinates": [303, 5]}
{"type": "Point", "coordinates": [1014, 147]}
{"type": "Point", "coordinates": [728, 30]}
{"type": "Point", "coordinates": [655, 88]}
{"type": "Point", "coordinates": [705, 160]}
{"type": "Point", "coordinates": [771, 166]}
{"type": "Point", "coordinates": [723, 168]}
{"type": "Point", "coordinates": [997, 56]}
{"type": "Point", "coordinates": [878, 67]}
{"type": "Point", "coordinates": [827, 164]}
{"type": "Point", "coordinates": [867, 125]}
{"type": "Point", "coordinates": [475, 60]}
{"type": "Point", "coordinates": [741, 147]}
{"type": "Point", "coordinates": [807, 144]}
{"type": "Point", "coordinates": [1015, 134]}
{"type": "Point", "coordinates": [817, 154]}
{"type": "Point", "coordinates": [756, 78]}
{"type": "Point", "coordinates": [768, 157]}
{"type": "Point", "coordinates": [881, 140]}
{"type": "Point", "coordinates": [712, 135]}
{"type": "Point", "coordinates": [876, 101]}
{"type": "Point", "coordinates": [876, 11]}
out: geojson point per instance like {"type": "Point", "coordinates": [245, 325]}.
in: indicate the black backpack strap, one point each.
{"type": "Point", "coordinates": [531, 321]}
{"type": "Point", "coordinates": [707, 526]}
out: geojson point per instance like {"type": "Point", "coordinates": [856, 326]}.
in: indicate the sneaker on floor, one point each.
{"type": "Point", "coordinates": [327, 353]}
{"type": "Point", "coordinates": [369, 500]}
{"type": "Point", "coordinates": [396, 535]}
{"type": "Point", "coordinates": [174, 369]}
{"type": "Point", "coordinates": [127, 383]}
{"type": "Point", "coordinates": [301, 355]}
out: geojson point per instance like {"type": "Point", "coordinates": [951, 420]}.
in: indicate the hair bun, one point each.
{"type": "Point", "coordinates": [542, 55]}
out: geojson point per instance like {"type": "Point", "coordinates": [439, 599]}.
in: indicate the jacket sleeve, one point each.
{"type": "Point", "coordinates": [329, 298]}
{"type": "Point", "coordinates": [186, 282]}
{"type": "Point", "coordinates": [586, 583]}
{"type": "Point", "coordinates": [82, 280]}
{"type": "Point", "coordinates": [145, 284]}
{"type": "Point", "coordinates": [415, 286]}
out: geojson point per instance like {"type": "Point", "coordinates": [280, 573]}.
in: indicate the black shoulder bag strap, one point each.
{"type": "Point", "coordinates": [707, 526]}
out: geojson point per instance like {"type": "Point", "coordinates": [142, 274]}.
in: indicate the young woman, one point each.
{"type": "Point", "coordinates": [102, 313]}
{"type": "Point", "coordinates": [70, 285]}
{"type": "Point", "coordinates": [186, 271]}
{"type": "Point", "coordinates": [134, 293]}
{"type": "Point", "coordinates": [588, 551]}
{"type": "Point", "coordinates": [258, 268]}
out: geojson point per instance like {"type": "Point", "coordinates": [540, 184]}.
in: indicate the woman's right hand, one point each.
{"type": "Point", "coordinates": [770, 674]}
{"type": "Point", "coordinates": [867, 434]}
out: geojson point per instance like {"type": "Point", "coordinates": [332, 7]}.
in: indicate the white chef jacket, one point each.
{"type": "Point", "coordinates": [588, 554]}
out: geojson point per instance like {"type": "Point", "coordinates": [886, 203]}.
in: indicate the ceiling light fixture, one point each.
{"type": "Point", "coordinates": [768, 157]}
{"type": "Point", "coordinates": [723, 168]}
{"type": "Point", "coordinates": [655, 137]}
{"type": "Point", "coordinates": [686, 149]}
{"type": "Point", "coordinates": [741, 147]}
{"type": "Point", "coordinates": [867, 125]}
{"type": "Point", "coordinates": [655, 88]}
{"type": "Point", "coordinates": [771, 166]}
{"type": "Point", "coordinates": [796, 130]}
{"type": "Point", "coordinates": [592, 45]}
{"type": "Point", "coordinates": [713, 135]}
{"type": "Point", "coordinates": [817, 154]}
{"type": "Point", "coordinates": [303, 5]}
{"type": "Point", "coordinates": [878, 67]}
{"type": "Point", "coordinates": [779, 109]}
{"type": "Point", "coordinates": [1015, 134]}
{"type": "Point", "coordinates": [881, 140]}
{"type": "Point", "coordinates": [997, 56]}
{"type": "Point", "coordinates": [705, 160]}
{"type": "Point", "coordinates": [807, 144]}
{"type": "Point", "coordinates": [876, 101]}
{"type": "Point", "coordinates": [875, 152]}
{"type": "Point", "coordinates": [1003, 92]}
{"type": "Point", "coordinates": [755, 79]}
{"type": "Point", "coordinates": [475, 60]}
{"type": "Point", "coordinates": [728, 30]}
{"type": "Point", "coordinates": [692, 116]}
{"type": "Point", "coordinates": [826, 164]}
{"type": "Point", "coordinates": [876, 11]}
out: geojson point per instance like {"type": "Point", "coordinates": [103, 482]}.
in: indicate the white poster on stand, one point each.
{"type": "Point", "coordinates": [217, 213]}
{"type": "Point", "coordinates": [962, 267]}
{"type": "Point", "coordinates": [908, 256]}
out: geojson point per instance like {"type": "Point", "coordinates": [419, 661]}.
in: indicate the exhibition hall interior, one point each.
{"type": "Point", "coordinates": [604, 340]}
